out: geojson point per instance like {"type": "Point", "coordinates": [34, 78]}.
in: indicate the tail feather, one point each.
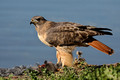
{"type": "Point", "coordinates": [102, 47]}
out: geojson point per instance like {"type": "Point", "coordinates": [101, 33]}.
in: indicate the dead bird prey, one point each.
{"type": "Point", "coordinates": [65, 36]}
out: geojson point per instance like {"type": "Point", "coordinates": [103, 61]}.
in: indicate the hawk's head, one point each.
{"type": "Point", "coordinates": [38, 20]}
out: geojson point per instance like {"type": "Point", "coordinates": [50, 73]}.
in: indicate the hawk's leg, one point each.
{"type": "Point", "coordinates": [65, 58]}
{"type": "Point", "coordinates": [58, 57]}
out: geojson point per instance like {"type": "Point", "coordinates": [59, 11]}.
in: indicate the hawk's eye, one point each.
{"type": "Point", "coordinates": [38, 19]}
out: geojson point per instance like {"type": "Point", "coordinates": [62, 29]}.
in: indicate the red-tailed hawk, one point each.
{"type": "Point", "coordinates": [65, 36]}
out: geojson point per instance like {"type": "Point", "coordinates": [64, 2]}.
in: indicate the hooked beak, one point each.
{"type": "Point", "coordinates": [33, 21]}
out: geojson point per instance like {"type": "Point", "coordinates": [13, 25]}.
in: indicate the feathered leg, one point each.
{"type": "Point", "coordinates": [58, 57]}
{"type": "Point", "coordinates": [65, 58]}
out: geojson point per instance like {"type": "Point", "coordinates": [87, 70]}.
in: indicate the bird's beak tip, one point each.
{"type": "Point", "coordinates": [31, 23]}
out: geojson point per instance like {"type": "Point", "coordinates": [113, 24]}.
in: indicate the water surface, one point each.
{"type": "Point", "coordinates": [19, 44]}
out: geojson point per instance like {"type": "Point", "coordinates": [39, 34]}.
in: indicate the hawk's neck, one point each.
{"type": "Point", "coordinates": [41, 29]}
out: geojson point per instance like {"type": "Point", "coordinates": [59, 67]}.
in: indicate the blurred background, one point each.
{"type": "Point", "coordinates": [19, 44]}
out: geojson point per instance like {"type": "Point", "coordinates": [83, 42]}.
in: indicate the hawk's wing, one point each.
{"type": "Point", "coordinates": [67, 33]}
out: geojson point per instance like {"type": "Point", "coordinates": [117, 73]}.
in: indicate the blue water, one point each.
{"type": "Point", "coordinates": [19, 44]}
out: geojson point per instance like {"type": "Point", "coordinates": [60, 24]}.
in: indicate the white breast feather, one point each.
{"type": "Point", "coordinates": [42, 38]}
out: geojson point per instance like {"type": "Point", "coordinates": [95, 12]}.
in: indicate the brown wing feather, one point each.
{"type": "Point", "coordinates": [67, 33]}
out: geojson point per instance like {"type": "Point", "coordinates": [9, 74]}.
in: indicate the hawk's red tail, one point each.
{"type": "Point", "coordinates": [102, 47]}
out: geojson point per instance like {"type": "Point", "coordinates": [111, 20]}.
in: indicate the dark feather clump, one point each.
{"type": "Point", "coordinates": [103, 31]}
{"type": "Point", "coordinates": [98, 29]}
